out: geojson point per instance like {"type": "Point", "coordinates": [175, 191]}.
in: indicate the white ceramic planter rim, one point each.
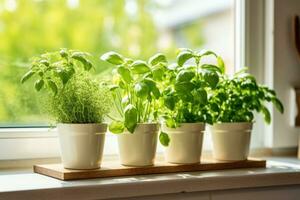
{"type": "Point", "coordinates": [102, 127]}
{"type": "Point", "coordinates": [141, 127]}
{"type": "Point", "coordinates": [232, 126]}
{"type": "Point", "coordinates": [181, 129]}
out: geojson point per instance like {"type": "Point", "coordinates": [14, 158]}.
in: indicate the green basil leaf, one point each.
{"type": "Point", "coordinates": [158, 58]}
{"type": "Point", "coordinates": [39, 84]}
{"type": "Point", "coordinates": [183, 57]}
{"type": "Point", "coordinates": [130, 118]}
{"type": "Point", "coordinates": [221, 64]}
{"type": "Point", "coordinates": [153, 88]}
{"type": "Point", "coordinates": [164, 139]}
{"type": "Point", "coordinates": [171, 123]}
{"type": "Point", "coordinates": [140, 67]}
{"type": "Point", "coordinates": [44, 62]}
{"type": "Point", "coordinates": [212, 79]}
{"type": "Point", "coordinates": [81, 58]}
{"type": "Point", "coordinates": [125, 74]}
{"type": "Point", "coordinates": [266, 113]}
{"type": "Point", "coordinates": [113, 87]}
{"type": "Point", "coordinates": [169, 102]}
{"type": "Point", "coordinates": [64, 76]}
{"type": "Point", "coordinates": [63, 53]}
{"type": "Point", "coordinates": [113, 58]}
{"type": "Point", "coordinates": [207, 53]}
{"type": "Point", "coordinates": [185, 76]}
{"type": "Point", "coordinates": [52, 86]}
{"type": "Point", "coordinates": [141, 89]}
{"type": "Point", "coordinates": [200, 96]}
{"type": "Point", "coordinates": [211, 68]}
{"type": "Point", "coordinates": [158, 73]}
{"type": "Point", "coordinates": [184, 87]}
{"type": "Point", "coordinates": [278, 105]}
{"type": "Point", "coordinates": [27, 76]}
{"type": "Point", "coordinates": [116, 127]}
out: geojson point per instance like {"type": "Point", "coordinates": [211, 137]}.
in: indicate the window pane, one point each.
{"type": "Point", "coordinates": [136, 28]}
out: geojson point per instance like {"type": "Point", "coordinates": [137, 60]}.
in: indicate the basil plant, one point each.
{"type": "Point", "coordinates": [135, 90]}
{"type": "Point", "coordinates": [53, 70]}
{"type": "Point", "coordinates": [236, 98]}
{"type": "Point", "coordinates": [186, 87]}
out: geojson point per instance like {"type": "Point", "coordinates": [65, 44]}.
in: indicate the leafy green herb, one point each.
{"type": "Point", "coordinates": [135, 90]}
{"type": "Point", "coordinates": [55, 66]}
{"type": "Point", "coordinates": [235, 99]}
{"type": "Point", "coordinates": [72, 95]}
{"type": "Point", "coordinates": [81, 100]}
{"type": "Point", "coordinates": [185, 92]}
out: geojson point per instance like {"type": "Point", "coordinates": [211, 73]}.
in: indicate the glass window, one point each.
{"type": "Point", "coordinates": [136, 28]}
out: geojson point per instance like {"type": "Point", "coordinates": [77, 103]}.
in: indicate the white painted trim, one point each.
{"type": "Point", "coordinates": [14, 133]}
{"type": "Point", "coordinates": [239, 31]}
{"type": "Point", "coordinates": [269, 65]}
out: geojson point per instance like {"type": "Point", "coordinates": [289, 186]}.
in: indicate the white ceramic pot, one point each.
{"type": "Point", "coordinates": [81, 145]}
{"type": "Point", "coordinates": [138, 148]}
{"type": "Point", "coordinates": [231, 141]}
{"type": "Point", "coordinates": [185, 143]}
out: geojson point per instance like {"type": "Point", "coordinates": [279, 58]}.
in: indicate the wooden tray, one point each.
{"type": "Point", "coordinates": [113, 169]}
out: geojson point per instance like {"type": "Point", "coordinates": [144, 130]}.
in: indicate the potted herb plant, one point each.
{"type": "Point", "coordinates": [76, 102]}
{"type": "Point", "coordinates": [185, 105]}
{"type": "Point", "coordinates": [232, 106]}
{"type": "Point", "coordinates": [135, 95]}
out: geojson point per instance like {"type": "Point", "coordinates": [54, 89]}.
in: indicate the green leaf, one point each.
{"type": "Point", "coordinates": [241, 71]}
{"type": "Point", "coordinates": [113, 87]}
{"type": "Point", "coordinates": [183, 56]}
{"type": "Point", "coordinates": [39, 84]}
{"type": "Point", "coordinates": [130, 118]}
{"type": "Point", "coordinates": [153, 88]}
{"type": "Point", "coordinates": [171, 123]}
{"type": "Point", "coordinates": [278, 105]}
{"type": "Point", "coordinates": [125, 74]}
{"type": "Point", "coordinates": [81, 58]}
{"type": "Point", "coordinates": [158, 73]}
{"type": "Point", "coordinates": [63, 53]}
{"type": "Point", "coordinates": [164, 139]}
{"type": "Point", "coordinates": [200, 96]}
{"type": "Point", "coordinates": [212, 79]}
{"type": "Point", "coordinates": [211, 68]}
{"type": "Point", "coordinates": [141, 89]}
{"type": "Point", "coordinates": [185, 76]}
{"type": "Point", "coordinates": [158, 58]}
{"type": "Point", "coordinates": [184, 87]}
{"type": "Point", "coordinates": [52, 86]}
{"type": "Point", "coordinates": [266, 113]}
{"type": "Point", "coordinates": [207, 53]}
{"type": "Point", "coordinates": [64, 76]}
{"type": "Point", "coordinates": [169, 102]}
{"type": "Point", "coordinates": [221, 64]}
{"type": "Point", "coordinates": [116, 127]}
{"type": "Point", "coordinates": [113, 58]}
{"type": "Point", "coordinates": [27, 76]}
{"type": "Point", "coordinates": [44, 62]}
{"type": "Point", "coordinates": [140, 67]}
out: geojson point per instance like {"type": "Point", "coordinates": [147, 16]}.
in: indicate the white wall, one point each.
{"type": "Point", "coordinates": [286, 70]}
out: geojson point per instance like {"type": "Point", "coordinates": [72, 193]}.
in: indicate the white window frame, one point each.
{"type": "Point", "coordinates": [31, 143]}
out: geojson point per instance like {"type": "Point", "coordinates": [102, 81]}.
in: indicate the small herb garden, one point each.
{"type": "Point", "coordinates": [181, 97]}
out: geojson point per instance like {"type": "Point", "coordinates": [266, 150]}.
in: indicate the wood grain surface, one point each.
{"type": "Point", "coordinates": [114, 169]}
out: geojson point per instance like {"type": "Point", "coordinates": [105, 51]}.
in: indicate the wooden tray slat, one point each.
{"type": "Point", "coordinates": [113, 169]}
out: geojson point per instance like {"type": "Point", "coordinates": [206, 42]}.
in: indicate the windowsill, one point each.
{"type": "Point", "coordinates": [23, 183]}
